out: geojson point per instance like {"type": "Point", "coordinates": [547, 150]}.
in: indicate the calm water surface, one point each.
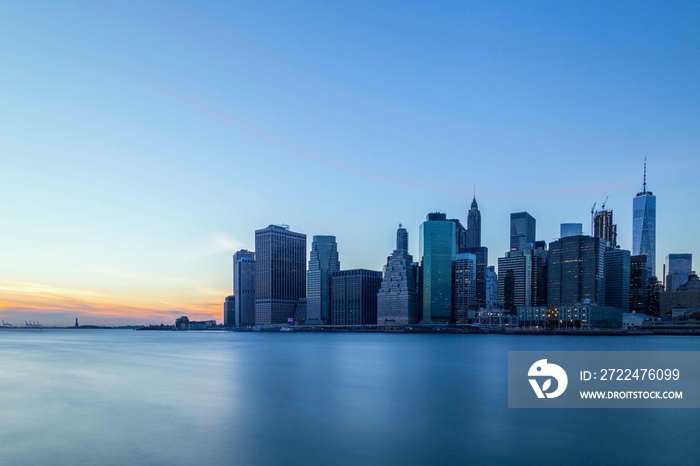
{"type": "Point", "coordinates": [102, 397]}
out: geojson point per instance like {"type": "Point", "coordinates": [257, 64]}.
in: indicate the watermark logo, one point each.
{"type": "Point", "coordinates": [547, 371]}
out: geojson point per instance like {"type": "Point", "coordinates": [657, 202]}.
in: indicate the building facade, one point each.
{"type": "Point", "coordinates": [644, 225]}
{"type": "Point", "coordinates": [323, 263]}
{"type": "Point", "coordinates": [229, 311]}
{"type": "Point", "coordinates": [491, 296]}
{"type": "Point", "coordinates": [522, 231]}
{"type": "Point", "coordinates": [678, 269]}
{"type": "Point", "coordinates": [617, 279]}
{"type": "Point", "coordinates": [639, 284]}
{"type": "Point", "coordinates": [463, 286]}
{"type": "Point", "coordinates": [474, 225]}
{"type": "Point", "coordinates": [522, 279]}
{"type": "Point", "coordinates": [244, 288]}
{"type": "Point", "coordinates": [437, 250]}
{"type": "Point", "coordinates": [354, 297]}
{"type": "Point", "coordinates": [280, 273]}
{"type": "Point", "coordinates": [604, 228]}
{"type": "Point", "coordinates": [570, 229]}
{"type": "Point", "coordinates": [576, 271]}
{"type": "Point", "coordinates": [482, 261]}
{"type": "Point", "coordinates": [397, 299]}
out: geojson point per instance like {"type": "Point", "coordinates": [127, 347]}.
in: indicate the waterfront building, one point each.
{"type": "Point", "coordinates": [585, 316]}
{"type": "Point", "coordinates": [491, 281]}
{"type": "Point", "coordinates": [397, 299]}
{"type": "Point", "coordinates": [463, 286]}
{"type": "Point", "coordinates": [604, 228]}
{"type": "Point", "coordinates": [323, 263]}
{"type": "Point", "coordinates": [474, 225]}
{"type": "Point", "coordinates": [686, 296]}
{"type": "Point", "coordinates": [244, 288]}
{"type": "Point", "coordinates": [617, 279]}
{"type": "Point", "coordinates": [576, 271]}
{"type": "Point", "coordinates": [678, 268]}
{"type": "Point", "coordinates": [522, 279]}
{"type": "Point", "coordinates": [437, 249]}
{"type": "Point", "coordinates": [644, 225]}
{"type": "Point", "coordinates": [522, 231]}
{"type": "Point", "coordinates": [639, 284]}
{"type": "Point", "coordinates": [229, 311]}
{"type": "Point", "coordinates": [634, 319]}
{"type": "Point", "coordinates": [280, 273]}
{"type": "Point", "coordinates": [570, 229]}
{"type": "Point", "coordinates": [354, 297]}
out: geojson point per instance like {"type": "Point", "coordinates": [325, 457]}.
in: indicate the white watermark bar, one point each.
{"type": "Point", "coordinates": [604, 379]}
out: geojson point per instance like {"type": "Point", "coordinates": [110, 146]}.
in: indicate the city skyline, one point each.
{"type": "Point", "coordinates": [137, 164]}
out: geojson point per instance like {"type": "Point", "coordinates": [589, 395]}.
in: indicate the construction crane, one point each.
{"type": "Point", "coordinates": [604, 202]}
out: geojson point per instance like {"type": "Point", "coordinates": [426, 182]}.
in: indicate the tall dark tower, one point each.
{"type": "Point", "coordinates": [474, 226]}
{"type": "Point", "coordinates": [401, 239]}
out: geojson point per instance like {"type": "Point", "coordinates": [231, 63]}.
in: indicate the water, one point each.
{"type": "Point", "coordinates": [100, 397]}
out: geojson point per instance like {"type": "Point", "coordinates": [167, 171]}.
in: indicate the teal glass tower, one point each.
{"type": "Point", "coordinates": [437, 250]}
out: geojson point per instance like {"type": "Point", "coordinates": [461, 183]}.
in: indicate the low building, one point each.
{"type": "Point", "coordinates": [685, 296]}
{"type": "Point", "coordinates": [634, 319]}
{"type": "Point", "coordinates": [583, 316]}
{"type": "Point", "coordinates": [184, 323]}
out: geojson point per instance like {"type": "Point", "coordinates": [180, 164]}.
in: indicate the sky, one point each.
{"type": "Point", "coordinates": [143, 143]}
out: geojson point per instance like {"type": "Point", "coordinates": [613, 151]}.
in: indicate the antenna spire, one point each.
{"type": "Point", "coordinates": [645, 176]}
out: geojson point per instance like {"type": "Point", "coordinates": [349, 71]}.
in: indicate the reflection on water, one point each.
{"type": "Point", "coordinates": [174, 398]}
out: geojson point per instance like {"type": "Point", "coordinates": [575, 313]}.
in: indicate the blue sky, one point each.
{"type": "Point", "coordinates": [144, 142]}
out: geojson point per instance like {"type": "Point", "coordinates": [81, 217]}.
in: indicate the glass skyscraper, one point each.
{"type": "Point", "coordinates": [617, 279]}
{"type": "Point", "coordinates": [644, 225]}
{"type": "Point", "coordinates": [437, 250]}
{"type": "Point", "coordinates": [570, 229]}
{"type": "Point", "coordinates": [280, 273]}
{"type": "Point", "coordinates": [576, 271]}
{"type": "Point", "coordinates": [463, 286]}
{"type": "Point", "coordinates": [678, 268]}
{"type": "Point", "coordinates": [522, 231]}
{"type": "Point", "coordinates": [323, 263]}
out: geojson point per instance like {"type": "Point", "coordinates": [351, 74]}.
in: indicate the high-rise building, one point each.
{"type": "Point", "coordinates": [576, 271]}
{"type": "Point", "coordinates": [437, 249]}
{"type": "Point", "coordinates": [474, 225]}
{"type": "Point", "coordinates": [397, 299]}
{"type": "Point", "coordinates": [639, 284]}
{"type": "Point", "coordinates": [323, 263]}
{"type": "Point", "coordinates": [229, 311]}
{"type": "Point", "coordinates": [280, 273]}
{"type": "Point", "coordinates": [522, 279]}
{"type": "Point", "coordinates": [463, 286]}
{"type": "Point", "coordinates": [604, 228]}
{"type": "Point", "coordinates": [570, 229]}
{"type": "Point", "coordinates": [522, 231]}
{"type": "Point", "coordinates": [678, 268]}
{"type": "Point", "coordinates": [482, 262]}
{"type": "Point", "coordinates": [244, 288]}
{"type": "Point", "coordinates": [491, 297]}
{"type": "Point", "coordinates": [460, 236]}
{"type": "Point", "coordinates": [617, 279]}
{"type": "Point", "coordinates": [354, 297]}
{"type": "Point", "coordinates": [644, 225]}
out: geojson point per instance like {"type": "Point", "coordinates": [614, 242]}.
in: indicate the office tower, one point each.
{"type": "Point", "coordinates": [323, 263]}
{"type": "Point", "coordinates": [576, 271]}
{"type": "Point", "coordinates": [522, 231]}
{"type": "Point", "coordinates": [229, 311]}
{"type": "Point", "coordinates": [604, 228]}
{"type": "Point", "coordinates": [521, 279]}
{"type": "Point", "coordinates": [463, 286]}
{"type": "Point", "coordinates": [460, 236]}
{"type": "Point", "coordinates": [678, 267]}
{"type": "Point", "coordinates": [397, 299]}
{"type": "Point", "coordinates": [644, 225]}
{"type": "Point", "coordinates": [244, 288]}
{"type": "Point", "coordinates": [437, 249]}
{"type": "Point", "coordinates": [570, 229]}
{"type": "Point", "coordinates": [639, 283]}
{"type": "Point", "coordinates": [280, 273]}
{"type": "Point", "coordinates": [474, 226]}
{"type": "Point", "coordinates": [354, 297]}
{"type": "Point", "coordinates": [482, 262]}
{"type": "Point", "coordinates": [617, 279]}
{"type": "Point", "coordinates": [491, 296]}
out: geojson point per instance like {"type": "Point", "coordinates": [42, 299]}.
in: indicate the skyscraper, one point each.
{"type": "Point", "coordinates": [617, 279]}
{"type": "Point", "coordinates": [437, 249]}
{"type": "Point", "coordinates": [570, 229]}
{"type": "Point", "coordinates": [354, 297]}
{"type": "Point", "coordinates": [323, 263]}
{"type": "Point", "coordinates": [521, 279]}
{"type": "Point", "coordinates": [244, 288]}
{"type": "Point", "coordinates": [474, 225]}
{"type": "Point", "coordinates": [604, 228]}
{"type": "Point", "coordinates": [482, 262]}
{"type": "Point", "coordinates": [644, 225]}
{"type": "Point", "coordinates": [463, 286]}
{"type": "Point", "coordinates": [576, 271]}
{"type": "Point", "coordinates": [280, 273]}
{"type": "Point", "coordinates": [229, 311]}
{"type": "Point", "coordinates": [397, 299]}
{"type": "Point", "coordinates": [678, 267]}
{"type": "Point", "coordinates": [639, 284]}
{"type": "Point", "coordinates": [491, 299]}
{"type": "Point", "coordinates": [522, 231]}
